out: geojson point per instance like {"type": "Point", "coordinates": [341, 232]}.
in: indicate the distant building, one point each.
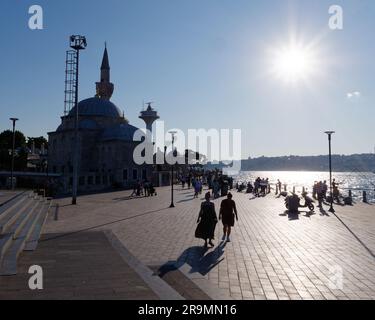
{"type": "Point", "coordinates": [105, 142]}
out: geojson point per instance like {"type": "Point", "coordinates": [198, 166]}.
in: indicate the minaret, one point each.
{"type": "Point", "coordinates": [104, 88]}
{"type": "Point", "coordinates": [149, 116]}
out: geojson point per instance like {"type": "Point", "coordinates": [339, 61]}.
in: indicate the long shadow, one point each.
{"type": "Point", "coordinates": [355, 236]}
{"type": "Point", "coordinates": [130, 198]}
{"type": "Point", "coordinates": [102, 225]}
{"type": "Point", "coordinates": [197, 259]}
{"type": "Point", "coordinates": [66, 205]}
{"type": "Point", "coordinates": [93, 192]}
{"type": "Point", "coordinates": [291, 215]}
{"type": "Point", "coordinates": [295, 215]}
{"type": "Point", "coordinates": [308, 214]}
{"type": "Point", "coordinates": [186, 200]}
{"type": "Point", "coordinates": [323, 212]}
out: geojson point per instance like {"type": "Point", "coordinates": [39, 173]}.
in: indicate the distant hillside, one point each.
{"type": "Point", "coordinates": [341, 163]}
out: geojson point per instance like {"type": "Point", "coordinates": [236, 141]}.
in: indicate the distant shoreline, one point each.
{"type": "Point", "coordinates": [340, 163]}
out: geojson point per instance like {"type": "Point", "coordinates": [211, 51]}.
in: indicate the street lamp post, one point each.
{"type": "Point", "coordinates": [330, 133]}
{"type": "Point", "coordinates": [172, 191]}
{"type": "Point", "coordinates": [77, 43]}
{"type": "Point", "coordinates": [14, 120]}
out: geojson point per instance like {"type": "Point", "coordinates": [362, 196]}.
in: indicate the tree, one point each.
{"type": "Point", "coordinates": [6, 139]}
{"type": "Point", "coordinates": [6, 145]}
{"type": "Point", "coordinates": [38, 142]}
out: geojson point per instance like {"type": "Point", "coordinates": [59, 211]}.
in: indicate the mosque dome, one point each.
{"type": "Point", "coordinates": [124, 132]}
{"type": "Point", "coordinates": [97, 107]}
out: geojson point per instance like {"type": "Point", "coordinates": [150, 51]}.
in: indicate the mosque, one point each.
{"type": "Point", "coordinates": [105, 143]}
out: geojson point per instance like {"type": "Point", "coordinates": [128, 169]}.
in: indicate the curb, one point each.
{"type": "Point", "coordinates": [160, 287]}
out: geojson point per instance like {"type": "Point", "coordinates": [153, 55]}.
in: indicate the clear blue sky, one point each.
{"type": "Point", "coordinates": [204, 63]}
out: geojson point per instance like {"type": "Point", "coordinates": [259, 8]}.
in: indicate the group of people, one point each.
{"type": "Point", "coordinates": [207, 219]}
{"type": "Point", "coordinates": [217, 182]}
{"type": "Point", "coordinates": [144, 188]}
{"type": "Point", "coordinates": [320, 190]}
{"type": "Point", "coordinates": [260, 188]}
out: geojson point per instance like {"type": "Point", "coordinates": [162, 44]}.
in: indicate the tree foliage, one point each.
{"type": "Point", "coordinates": [6, 145]}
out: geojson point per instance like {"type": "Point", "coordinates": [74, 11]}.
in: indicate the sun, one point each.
{"type": "Point", "coordinates": [293, 63]}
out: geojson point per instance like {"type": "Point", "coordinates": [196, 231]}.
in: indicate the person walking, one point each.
{"type": "Point", "coordinates": [207, 221]}
{"type": "Point", "coordinates": [197, 188]}
{"type": "Point", "coordinates": [228, 211]}
{"type": "Point", "coordinates": [183, 181]}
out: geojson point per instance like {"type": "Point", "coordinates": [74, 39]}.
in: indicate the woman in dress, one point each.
{"type": "Point", "coordinates": [207, 221]}
{"type": "Point", "coordinates": [227, 212]}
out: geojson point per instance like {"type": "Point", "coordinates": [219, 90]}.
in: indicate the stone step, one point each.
{"type": "Point", "coordinates": [16, 228]}
{"type": "Point", "coordinates": [5, 241]}
{"type": "Point", "coordinates": [9, 218]}
{"type": "Point", "coordinates": [32, 241]}
{"type": "Point", "coordinates": [11, 202]}
{"type": "Point", "coordinates": [12, 206]}
{"type": "Point", "coordinates": [8, 264]}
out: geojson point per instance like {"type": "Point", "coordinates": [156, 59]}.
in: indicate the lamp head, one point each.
{"type": "Point", "coordinates": [173, 133]}
{"type": "Point", "coordinates": [329, 132]}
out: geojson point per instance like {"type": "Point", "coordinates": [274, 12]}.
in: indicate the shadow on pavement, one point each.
{"type": "Point", "coordinates": [197, 259]}
{"type": "Point", "coordinates": [186, 200]}
{"type": "Point", "coordinates": [291, 215]}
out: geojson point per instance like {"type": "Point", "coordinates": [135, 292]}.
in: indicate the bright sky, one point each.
{"type": "Point", "coordinates": [273, 69]}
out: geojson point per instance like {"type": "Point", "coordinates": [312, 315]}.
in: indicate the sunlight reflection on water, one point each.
{"type": "Point", "coordinates": [357, 182]}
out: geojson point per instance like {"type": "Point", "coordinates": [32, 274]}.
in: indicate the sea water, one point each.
{"type": "Point", "coordinates": [355, 181]}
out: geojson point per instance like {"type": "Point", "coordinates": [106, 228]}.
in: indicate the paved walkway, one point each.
{"type": "Point", "coordinates": [77, 266]}
{"type": "Point", "coordinates": [6, 195]}
{"type": "Point", "coordinates": [270, 256]}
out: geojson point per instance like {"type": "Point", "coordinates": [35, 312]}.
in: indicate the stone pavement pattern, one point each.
{"type": "Point", "coordinates": [91, 270]}
{"type": "Point", "coordinates": [270, 256]}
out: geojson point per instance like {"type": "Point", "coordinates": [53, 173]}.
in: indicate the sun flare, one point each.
{"type": "Point", "coordinates": [293, 63]}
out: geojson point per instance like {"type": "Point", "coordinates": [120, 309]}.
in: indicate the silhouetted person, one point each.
{"type": "Point", "coordinates": [227, 212]}
{"type": "Point", "coordinates": [207, 221]}
{"type": "Point", "coordinates": [279, 185]}
{"type": "Point", "coordinates": [324, 189]}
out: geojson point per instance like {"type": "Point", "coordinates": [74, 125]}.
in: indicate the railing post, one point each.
{"type": "Point", "coordinates": [364, 195]}
{"type": "Point", "coordinates": [350, 194]}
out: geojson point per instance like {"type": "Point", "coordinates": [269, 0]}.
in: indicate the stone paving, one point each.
{"type": "Point", "coordinates": [7, 195]}
{"type": "Point", "coordinates": [270, 256]}
{"type": "Point", "coordinates": [75, 267]}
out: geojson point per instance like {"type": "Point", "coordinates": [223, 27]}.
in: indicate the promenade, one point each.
{"type": "Point", "coordinates": [270, 256]}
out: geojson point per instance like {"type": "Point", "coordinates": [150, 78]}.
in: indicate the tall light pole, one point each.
{"type": "Point", "coordinates": [330, 133]}
{"type": "Point", "coordinates": [173, 133]}
{"type": "Point", "coordinates": [77, 43]}
{"type": "Point", "coordinates": [14, 120]}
